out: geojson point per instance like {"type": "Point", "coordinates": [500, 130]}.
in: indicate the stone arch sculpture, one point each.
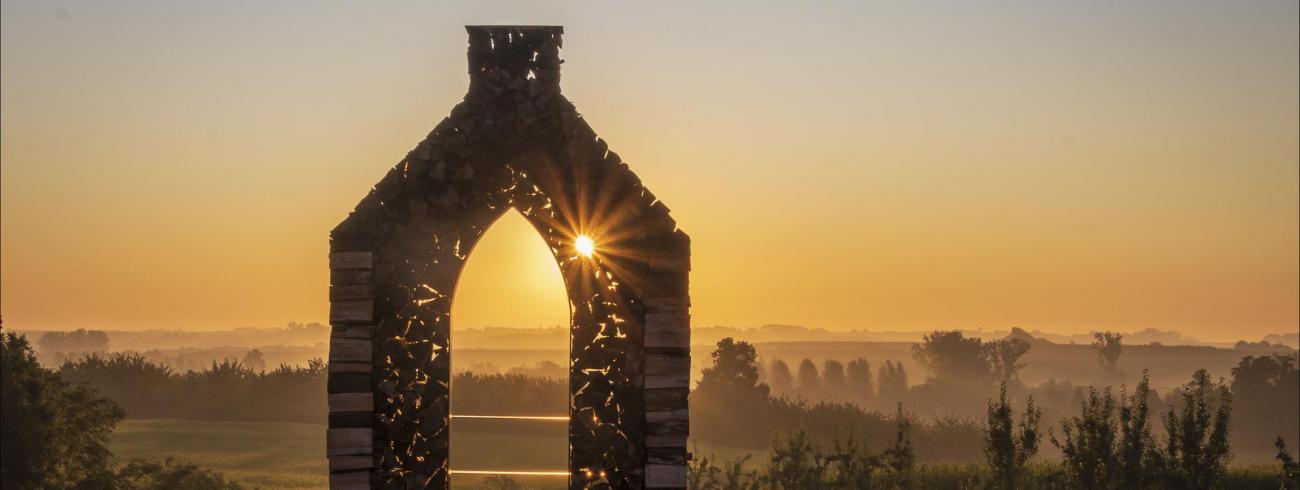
{"type": "Point", "coordinates": [513, 142]}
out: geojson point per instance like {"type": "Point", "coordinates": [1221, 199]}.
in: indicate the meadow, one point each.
{"type": "Point", "coordinates": [285, 455]}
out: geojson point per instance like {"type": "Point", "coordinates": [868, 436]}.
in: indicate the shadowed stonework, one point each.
{"type": "Point", "coordinates": [514, 142]}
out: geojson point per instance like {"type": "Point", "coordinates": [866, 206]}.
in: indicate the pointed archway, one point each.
{"type": "Point", "coordinates": [502, 421]}
{"type": "Point", "coordinates": [514, 142]}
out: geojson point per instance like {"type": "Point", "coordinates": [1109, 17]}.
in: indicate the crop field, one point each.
{"type": "Point", "coordinates": [274, 455]}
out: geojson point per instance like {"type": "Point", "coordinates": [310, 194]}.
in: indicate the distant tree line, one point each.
{"type": "Point", "coordinates": [1108, 444]}
{"type": "Point", "coordinates": [963, 372]}
{"type": "Point", "coordinates": [232, 390]}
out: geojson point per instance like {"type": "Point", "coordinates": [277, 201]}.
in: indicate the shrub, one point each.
{"type": "Point", "coordinates": [1289, 478]}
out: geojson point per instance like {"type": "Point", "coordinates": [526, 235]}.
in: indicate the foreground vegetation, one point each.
{"type": "Point", "coordinates": [1109, 444]}
{"type": "Point", "coordinates": [1094, 438]}
{"type": "Point", "coordinates": [55, 434]}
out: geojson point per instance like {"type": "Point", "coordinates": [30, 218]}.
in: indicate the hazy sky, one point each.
{"type": "Point", "coordinates": [1061, 166]}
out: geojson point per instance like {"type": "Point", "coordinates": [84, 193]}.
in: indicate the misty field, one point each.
{"type": "Point", "coordinates": [292, 456]}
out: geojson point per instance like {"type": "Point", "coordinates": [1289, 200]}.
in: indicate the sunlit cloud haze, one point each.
{"type": "Point", "coordinates": [1059, 166]}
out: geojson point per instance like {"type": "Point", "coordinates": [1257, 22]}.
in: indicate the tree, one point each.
{"type": "Point", "coordinates": [255, 360]}
{"type": "Point", "coordinates": [833, 382]}
{"type": "Point", "coordinates": [893, 381]}
{"type": "Point", "coordinates": [1196, 448]}
{"type": "Point", "coordinates": [858, 372]}
{"type": "Point", "coordinates": [1137, 448]}
{"type": "Point", "coordinates": [809, 382]}
{"type": "Point", "coordinates": [58, 346]}
{"type": "Point", "coordinates": [1266, 398]}
{"type": "Point", "coordinates": [780, 378]}
{"type": "Point", "coordinates": [1006, 446]}
{"type": "Point", "coordinates": [953, 358]}
{"type": "Point", "coordinates": [54, 435]}
{"type": "Point", "coordinates": [1004, 357]}
{"type": "Point", "coordinates": [734, 373]}
{"type": "Point", "coordinates": [1108, 346]}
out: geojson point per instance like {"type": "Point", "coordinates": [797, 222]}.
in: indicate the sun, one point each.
{"type": "Point", "coordinates": [584, 245]}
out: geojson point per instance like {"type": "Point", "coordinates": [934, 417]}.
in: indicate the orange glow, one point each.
{"type": "Point", "coordinates": [954, 171]}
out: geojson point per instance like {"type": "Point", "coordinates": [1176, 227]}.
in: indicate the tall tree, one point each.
{"type": "Point", "coordinates": [809, 382]}
{"type": "Point", "coordinates": [1009, 446]}
{"type": "Point", "coordinates": [1196, 448]}
{"type": "Point", "coordinates": [52, 435]}
{"type": "Point", "coordinates": [833, 382]}
{"type": "Point", "coordinates": [858, 372]}
{"type": "Point", "coordinates": [1004, 358]}
{"type": "Point", "coordinates": [780, 378]}
{"type": "Point", "coordinates": [892, 381]}
{"type": "Point", "coordinates": [1266, 397]}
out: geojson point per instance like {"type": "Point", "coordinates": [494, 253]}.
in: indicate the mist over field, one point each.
{"type": "Point", "coordinates": [262, 390]}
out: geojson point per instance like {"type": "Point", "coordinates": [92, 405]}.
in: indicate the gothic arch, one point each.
{"type": "Point", "coordinates": [514, 141]}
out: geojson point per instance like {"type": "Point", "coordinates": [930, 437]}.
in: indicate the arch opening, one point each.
{"type": "Point", "coordinates": [509, 324]}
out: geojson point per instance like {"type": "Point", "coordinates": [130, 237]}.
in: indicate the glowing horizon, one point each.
{"type": "Point", "coordinates": [1051, 167]}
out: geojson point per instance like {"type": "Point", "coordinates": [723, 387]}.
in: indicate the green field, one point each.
{"type": "Point", "coordinates": [274, 455]}
{"type": "Point", "coordinates": [292, 456]}
{"type": "Point", "coordinates": [259, 454]}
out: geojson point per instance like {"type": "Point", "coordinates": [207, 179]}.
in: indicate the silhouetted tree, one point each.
{"type": "Point", "coordinates": [1137, 448]}
{"type": "Point", "coordinates": [953, 358]}
{"type": "Point", "coordinates": [58, 346]}
{"type": "Point", "coordinates": [1266, 399]}
{"type": "Point", "coordinates": [1101, 450]}
{"type": "Point", "coordinates": [780, 378]}
{"type": "Point", "coordinates": [1108, 346]}
{"type": "Point", "coordinates": [1008, 447]}
{"type": "Point", "coordinates": [833, 382]}
{"type": "Point", "coordinates": [255, 361]}
{"type": "Point", "coordinates": [809, 382]}
{"type": "Point", "coordinates": [734, 373]}
{"type": "Point", "coordinates": [1088, 442]}
{"type": "Point", "coordinates": [893, 381]}
{"type": "Point", "coordinates": [1196, 448]}
{"type": "Point", "coordinates": [858, 372]}
{"type": "Point", "coordinates": [1004, 358]}
{"type": "Point", "coordinates": [52, 435]}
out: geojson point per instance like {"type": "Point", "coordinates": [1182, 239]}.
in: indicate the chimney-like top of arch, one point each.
{"type": "Point", "coordinates": [501, 55]}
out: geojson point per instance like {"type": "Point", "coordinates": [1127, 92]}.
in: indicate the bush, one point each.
{"type": "Point", "coordinates": [1289, 478]}
{"type": "Point", "coordinates": [169, 475]}
{"type": "Point", "coordinates": [1102, 450]}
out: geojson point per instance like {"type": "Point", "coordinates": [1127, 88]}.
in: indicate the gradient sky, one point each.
{"type": "Point", "coordinates": [1063, 166]}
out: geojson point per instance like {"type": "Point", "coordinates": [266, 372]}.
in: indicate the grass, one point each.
{"type": "Point", "coordinates": [257, 454]}
{"type": "Point", "coordinates": [292, 456]}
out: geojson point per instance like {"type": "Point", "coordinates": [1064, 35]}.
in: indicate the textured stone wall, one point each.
{"type": "Point", "coordinates": [514, 142]}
